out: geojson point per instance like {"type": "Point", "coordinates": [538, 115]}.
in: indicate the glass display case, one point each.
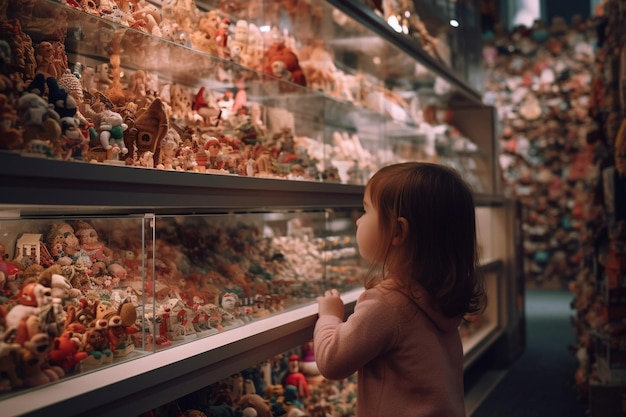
{"type": "Point", "coordinates": [219, 152]}
{"type": "Point", "coordinates": [304, 92]}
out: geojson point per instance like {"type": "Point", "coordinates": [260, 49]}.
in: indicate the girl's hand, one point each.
{"type": "Point", "coordinates": [331, 304]}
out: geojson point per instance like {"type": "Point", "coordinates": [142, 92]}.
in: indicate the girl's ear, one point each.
{"type": "Point", "coordinates": [401, 233]}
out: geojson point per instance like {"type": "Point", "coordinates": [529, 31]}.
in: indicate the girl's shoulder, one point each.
{"type": "Point", "coordinates": [387, 292]}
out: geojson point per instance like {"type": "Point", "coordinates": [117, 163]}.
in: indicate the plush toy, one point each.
{"type": "Point", "coordinates": [111, 127]}
{"type": "Point", "coordinates": [33, 364]}
{"type": "Point", "coordinates": [256, 402]}
{"type": "Point", "coordinates": [30, 298]}
{"type": "Point", "coordinates": [119, 324]}
{"type": "Point", "coordinates": [282, 62]}
{"type": "Point", "coordinates": [66, 352]}
{"type": "Point", "coordinates": [64, 104]}
{"type": "Point", "coordinates": [203, 38]}
{"type": "Point", "coordinates": [96, 344]}
{"type": "Point", "coordinates": [73, 142]}
{"type": "Point", "coordinates": [9, 361]}
{"type": "Point", "coordinates": [37, 118]}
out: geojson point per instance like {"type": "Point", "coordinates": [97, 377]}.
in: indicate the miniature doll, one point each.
{"type": "Point", "coordinates": [215, 157]}
{"type": "Point", "coordinates": [296, 378]}
{"type": "Point", "coordinates": [31, 298]}
{"type": "Point", "coordinates": [231, 304]}
{"type": "Point", "coordinates": [308, 366]}
{"type": "Point", "coordinates": [90, 243]}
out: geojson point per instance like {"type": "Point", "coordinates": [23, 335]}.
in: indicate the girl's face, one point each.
{"type": "Point", "coordinates": [367, 232]}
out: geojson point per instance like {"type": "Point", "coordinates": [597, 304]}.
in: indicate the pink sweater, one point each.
{"type": "Point", "coordinates": [408, 356]}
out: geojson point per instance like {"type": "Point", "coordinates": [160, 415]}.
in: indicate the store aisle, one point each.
{"type": "Point", "coordinates": [539, 382]}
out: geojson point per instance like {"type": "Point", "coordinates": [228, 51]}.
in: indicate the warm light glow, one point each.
{"type": "Point", "coordinates": [376, 60]}
{"type": "Point", "coordinates": [393, 22]}
{"type": "Point", "coordinates": [265, 28]}
{"type": "Point", "coordinates": [454, 23]}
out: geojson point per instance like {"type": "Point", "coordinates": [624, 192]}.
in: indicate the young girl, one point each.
{"type": "Point", "coordinates": [418, 227]}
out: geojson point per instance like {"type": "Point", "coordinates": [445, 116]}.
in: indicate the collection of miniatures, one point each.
{"type": "Point", "coordinates": [563, 142]}
{"type": "Point", "coordinates": [78, 294]}
{"type": "Point", "coordinates": [286, 385]}
{"type": "Point", "coordinates": [541, 80]}
{"type": "Point", "coordinates": [59, 104]}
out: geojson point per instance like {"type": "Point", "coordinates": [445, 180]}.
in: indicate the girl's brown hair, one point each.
{"type": "Point", "coordinates": [440, 250]}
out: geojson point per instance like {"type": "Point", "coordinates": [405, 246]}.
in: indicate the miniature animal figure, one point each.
{"type": "Point", "coordinates": [111, 127]}
{"type": "Point", "coordinates": [283, 63]}
{"type": "Point", "coordinates": [34, 368]}
{"type": "Point", "coordinates": [66, 352]}
{"type": "Point", "coordinates": [37, 118]}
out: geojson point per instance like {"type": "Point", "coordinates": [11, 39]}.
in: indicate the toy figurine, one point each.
{"type": "Point", "coordinates": [296, 378]}
{"type": "Point", "coordinates": [111, 127]}
{"type": "Point", "coordinates": [37, 118]}
{"type": "Point", "coordinates": [34, 367]}
{"type": "Point", "coordinates": [30, 297]}
{"type": "Point", "coordinates": [221, 37]}
{"type": "Point", "coordinates": [66, 352]}
{"type": "Point", "coordinates": [308, 366]}
{"type": "Point", "coordinates": [215, 158]}
{"type": "Point", "coordinates": [282, 62]}
{"type": "Point", "coordinates": [231, 304]}
{"type": "Point", "coordinates": [9, 362]}
{"type": "Point", "coordinates": [96, 344]}
{"type": "Point", "coordinates": [90, 243]}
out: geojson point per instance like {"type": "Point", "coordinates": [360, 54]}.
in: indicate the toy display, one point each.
{"type": "Point", "coordinates": [89, 294]}
{"type": "Point", "coordinates": [209, 91]}
{"type": "Point", "coordinates": [117, 107]}
{"type": "Point", "coordinates": [252, 393]}
{"type": "Point", "coordinates": [562, 142]}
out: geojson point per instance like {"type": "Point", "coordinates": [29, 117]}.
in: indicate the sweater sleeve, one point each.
{"type": "Point", "coordinates": [342, 348]}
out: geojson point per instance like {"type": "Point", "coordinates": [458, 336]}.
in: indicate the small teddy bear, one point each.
{"type": "Point", "coordinates": [283, 63]}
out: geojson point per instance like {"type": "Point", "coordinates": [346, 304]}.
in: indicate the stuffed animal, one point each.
{"type": "Point", "coordinates": [111, 127]}
{"type": "Point", "coordinates": [37, 118]}
{"type": "Point", "coordinates": [66, 352]}
{"type": "Point", "coordinates": [282, 62]}
{"type": "Point", "coordinates": [9, 361]}
{"type": "Point", "coordinates": [256, 402]}
{"type": "Point", "coordinates": [33, 364]}
{"type": "Point", "coordinates": [63, 103]}
{"type": "Point", "coordinates": [31, 297]}
{"type": "Point", "coordinates": [119, 324]}
{"type": "Point", "coordinates": [96, 344]}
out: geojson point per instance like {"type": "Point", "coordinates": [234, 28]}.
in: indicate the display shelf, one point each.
{"type": "Point", "coordinates": [465, 94]}
{"type": "Point", "coordinates": [85, 188]}
{"type": "Point", "coordinates": [376, 95]}
{"type": "Point", "coordinates": [39, 185]}
{"type": "Point", "coordinates": [161, 376]}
